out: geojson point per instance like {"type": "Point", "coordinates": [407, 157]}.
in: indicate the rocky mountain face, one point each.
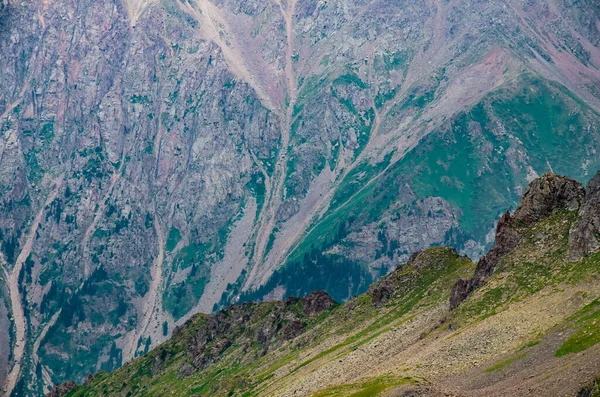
{"type": "Point", "coordinates": [161, 158]}
{"type": "Point", "coordinates": [528, 327]}
{"type": "Point", "coordinates": [584, 239]}
{"type": "Point", "coordinates": [542, 197]}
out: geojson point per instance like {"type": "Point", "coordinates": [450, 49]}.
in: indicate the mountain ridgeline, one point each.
{"type": "Point", "coordinates": [164, 158]}
{"type": "Point", "coordinates": [523, 321]}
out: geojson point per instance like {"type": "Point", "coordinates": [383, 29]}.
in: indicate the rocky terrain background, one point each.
{"type": "Point", "coordinates": [527, 327]}
{"type": "Point", "coordinates": [163, 158]}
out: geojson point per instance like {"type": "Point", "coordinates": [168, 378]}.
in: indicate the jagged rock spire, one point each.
{"type": "Point", "coordinates": [542, 197]}
{"type": "Point", "coordinates": [584, 237]}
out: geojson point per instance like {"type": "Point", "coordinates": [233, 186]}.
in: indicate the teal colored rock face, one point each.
{"type": "Point", "coordinates": [479, 162]}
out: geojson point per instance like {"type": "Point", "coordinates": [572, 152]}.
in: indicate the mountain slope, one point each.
{"type": "Point", "coordinates": [528, 328]}
{"type": "Point", "coordinates": [183, 155]}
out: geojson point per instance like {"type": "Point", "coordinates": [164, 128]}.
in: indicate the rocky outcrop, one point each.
{"type": "Point", "coordinates": [545, 195]}
{"type": "Point", "coordinates": [317, 303]}
{"type": "Point", "coordinates": [269, 324]}
{"type": "Point", "coordinates": [590, 390]}
{"type": "Point", "coordinates": [507, 238]}
{"type": "Point", "coordinates": [584, 237]}
{"type": "Point", "coordinates": [542, 197]}
{"type": "Point", "coordinates": [62, 389]}
{"type": "Point", "coordinates": [383, 292]}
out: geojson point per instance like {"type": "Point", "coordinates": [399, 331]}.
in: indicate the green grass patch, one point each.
{"type": "Point", "coordinates": [173, 239]}
{"type": "Point", "coordinates": [367, 388]}
{"type": "Point", "coordinates": [504, 363]}
{"type": "Point", "coordinates": [588, 330]}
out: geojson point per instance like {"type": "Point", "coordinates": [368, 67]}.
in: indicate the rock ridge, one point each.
{"type": "Point", "coordinates": [253, 323]}
{"type": "Point", "coordinates": [584, 237]}
{"type": "Point", "coordinates": [542, 198]}
{"type": "Point", "coordinates": [434, 258]}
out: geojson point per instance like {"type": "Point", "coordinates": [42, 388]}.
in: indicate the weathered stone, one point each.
{"type": "Point", "coordinates": [542, 197]}
{"type": "Point", "coordinates": [590, 390]}
{"type": "Point", "coordinates": [584, 237]}
{"type": "Point", "coordinates": [545, 195]}
{"type": "Point", "coordinates": [186, 370]}
{"type": "Point", "coordinates": [292, 329]}
{"type": "Point", "coordinates": [383, 291]}
{"type": "Point", "coordinates": [62, 389]}
{"type": "Point", "coordinates": [316, 303]}
{"type": "Point", "coordinates": [460, 292]}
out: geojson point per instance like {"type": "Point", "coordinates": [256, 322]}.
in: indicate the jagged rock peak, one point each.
{"type": "Point", "coordinates": [543, 196]}
{"type": "Point", "coordinates": [546, 194]}
{"type": "Point", "coordinates": [317, 303]}
{"type": "Point", "coordinates": [584, 237]}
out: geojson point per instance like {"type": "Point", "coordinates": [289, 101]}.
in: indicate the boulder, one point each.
{"type": "Point", "coordinates": [62, 389]}
{"type": "Point", "coordinates": [317, 303]}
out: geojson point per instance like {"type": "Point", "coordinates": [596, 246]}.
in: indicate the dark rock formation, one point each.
{"type": "Point", "coordinates": [383, 292]}
{"type": "Point", "coordinates": [460, 292]}
{"type": "Point", "coordinates": [545, 195]}
{"type": "Point", "coordinates": [269, 324]}
{"type": "Point", "coordinates": [584, 237]}
{"type": "Point", "coordinates": [317, 303]}
{"type": "Point", "coordinates": [542, 197]}
{"type": "Point", "coordinates": [62, 389]}
{"type": "Point", "coordinates": [590, 390]}
{"type": "Point", "coordinates": [507, 238]}
{"type": "Point", "coordinates": [292, 330]}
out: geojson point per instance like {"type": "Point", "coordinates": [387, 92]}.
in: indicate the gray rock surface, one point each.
{"type": "Point", "coordinates": [584, 238]}
{"type": "Point", "coordinates": [545, 195]}
{"type": "Point", "coordinates": [62, 389]}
